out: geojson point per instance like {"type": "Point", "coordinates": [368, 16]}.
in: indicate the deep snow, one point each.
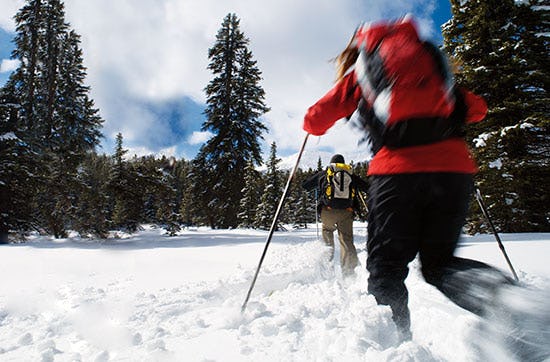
{"type": "Point", "coordinates": [149, 297]}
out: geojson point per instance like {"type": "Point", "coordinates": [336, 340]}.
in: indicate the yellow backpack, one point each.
{"type": "Point", "coordinates": [339, 190]}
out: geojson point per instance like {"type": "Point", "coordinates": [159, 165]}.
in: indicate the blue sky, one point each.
{"type": "Point", "coordinates": [146, 63]}
{"type": "Point", "coordinates": [6, 46]}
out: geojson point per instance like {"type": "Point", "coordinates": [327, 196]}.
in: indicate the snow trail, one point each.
{"type": "Point", "coordinates": [149, 297]}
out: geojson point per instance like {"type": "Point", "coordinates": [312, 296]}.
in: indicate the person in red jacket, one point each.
{"type": "Point", "coordinates": [419, 192]}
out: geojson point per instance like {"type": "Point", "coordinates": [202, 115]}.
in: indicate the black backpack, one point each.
{"type": "Point", "coordinates": [395, 61]}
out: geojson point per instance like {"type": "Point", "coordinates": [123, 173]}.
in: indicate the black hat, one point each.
{"type": "Point", "coordinates": [337, 159]}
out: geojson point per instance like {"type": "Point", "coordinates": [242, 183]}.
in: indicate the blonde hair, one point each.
{"type": "Point", "coordinates": [346, 59]}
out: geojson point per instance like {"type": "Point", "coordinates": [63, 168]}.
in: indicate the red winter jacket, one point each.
{"type": "Point", "coordinates": [450, 155]}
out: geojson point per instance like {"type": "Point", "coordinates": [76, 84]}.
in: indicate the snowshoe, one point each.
{"type": "Point", "coordinates": [516, 327]}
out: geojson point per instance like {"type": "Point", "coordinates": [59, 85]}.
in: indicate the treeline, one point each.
{"type": "Point", "coordinates": [120, 193]}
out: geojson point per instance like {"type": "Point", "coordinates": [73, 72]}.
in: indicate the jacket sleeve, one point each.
{"type": "Point", "coordinates": [341, 101]}
{"type": "Point", "coordinates": [313, 181]}
{"type": "Point", "coordinates": [476, 107]}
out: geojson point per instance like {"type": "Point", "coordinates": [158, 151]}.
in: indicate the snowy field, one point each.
{"type": "Point", "coordinates": [148, 297]}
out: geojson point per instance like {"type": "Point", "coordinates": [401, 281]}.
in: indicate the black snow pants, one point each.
{"type": "Point", "coordinates": [423, 214]}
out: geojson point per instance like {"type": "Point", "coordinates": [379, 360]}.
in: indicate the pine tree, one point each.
{"type": "Point", "coordinates": [319, 164]}
{"type": "Point", "coordinates": [533, 19]}
{"type": "Point", "coordinates": [16, 166]}
{"type": "Point", "coordinates": [303, 211]}
{"type": "Point", "coordinates": [26, 82]}
{"type": "Point", "coordinates": [299, 209]}
{"type": "Point", "coordinates": [152, 182]}
{"type": "Point", "coordinates": [56, 118]}
{"type": "Point", "coordinates": [94, 206]}
{"type": "Point", "coordinates": [250, 196]}
{"type": "Point", "coordinates": [235, 101]}
{"type": "Point", "coordinates": [186, 197]}
{"type": "Point", "coordinates": [202, 207]}
{"type": "Point", "coordinates": [271, 192]}
{"type": "Point", "coordinates": [528, 143]}
{"type": "Point", "coordinates": [128, 195]}
{"type": "Point", "coordinates": [504, 59]}
{"type": "Point", "coordinates": [79, 123]}
{"type": "Point", "coordinates": [166, 191]}
{"type": "Point", "coordinates": [19, 111]}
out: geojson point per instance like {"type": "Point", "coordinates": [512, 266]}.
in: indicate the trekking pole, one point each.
{"type": "Point", "coordinates": [366, 211]}
{"type": "Point", "coordinates": [501, 246]}
{"type": "Point", "coordinates": [363, 201]}
{"type": "Point", "coordinates": [274, 223]}
{"type": "Point", "coordinates": [317, 213]}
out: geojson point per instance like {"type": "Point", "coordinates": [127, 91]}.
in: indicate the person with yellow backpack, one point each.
{"type": "Point", "coordinates": [338, 187]}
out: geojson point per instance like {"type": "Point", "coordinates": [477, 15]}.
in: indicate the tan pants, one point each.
{"type": "Point", "coordinates": [341, 220]}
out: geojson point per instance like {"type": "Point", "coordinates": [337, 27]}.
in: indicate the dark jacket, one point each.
{"type": "Point", "coordinates": [319, 182]}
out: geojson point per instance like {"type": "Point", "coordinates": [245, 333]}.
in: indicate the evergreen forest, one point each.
{"type": "Point", "coordinates": [53, 180]}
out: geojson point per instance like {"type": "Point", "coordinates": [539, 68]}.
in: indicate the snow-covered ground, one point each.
{"type": "Point", "coordinates": [149, 297]}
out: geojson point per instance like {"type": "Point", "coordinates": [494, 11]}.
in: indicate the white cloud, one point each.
{"type": "Point", "coordinates": [197, 138]}
{"type": "Point", "coordinates": [8, 65]}
{"type": "Point", "coordinates": [8, 8]}
{"type": "Point", "coordinates": [157, 50]}
{"type": "Point", "coordinates": [169, 151]}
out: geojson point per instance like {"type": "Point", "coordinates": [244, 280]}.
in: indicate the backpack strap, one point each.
{"type": "Point", "coordinates": [426, 130]}
{"type": "Point", "coordinates": [328, 188]}
{"type": "Point", "coordinates": [442, 66]}
{"type": "Point", "coordinates": [370, 73]}
{"type": "Point", "coordinates": [414, 131]}
{"type": "Point", "coordinates": [372, 80]}
{"type": "Point", "coordinates": [339, 188]}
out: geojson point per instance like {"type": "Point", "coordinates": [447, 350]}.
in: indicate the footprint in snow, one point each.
{"type": "Point", "coordinates": [25, 340]}
{"type": "Point", "coordinates": [102, 357]}
{"type": "Point", "coordinates": [157, 345]}
{"type": "Point", "coordinates": [137, 339]}
{"type": "Point", "coordinates": [48, 351]}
